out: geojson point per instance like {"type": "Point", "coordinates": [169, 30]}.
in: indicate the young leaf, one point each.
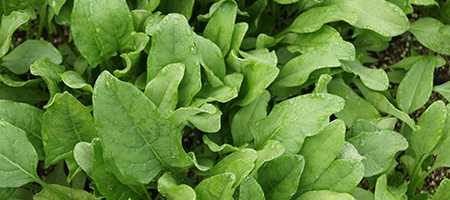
{"type": "Point", "coordinates": [100, 28]}
{"type": "Point", "coordinates": [325, 194]}
{"type": "Point", "coordinates": [380, 16]}
{"type": "Point", "coordinates": [294, 119]}
{"type": "Point", "coordinates": [20, 58]}
{"type": "Point", "coordinates": [355, 107]}
{"type": "Point", "coordinates": [426, 30]}
{"type": "Point", "coordinates": [211, 56]}
{"type": "Point", "coordinates": [320, 150]}
{"type": "Point", "coordinates": [216, 187]}
{"type": "Point", "coordinates": [9, 24]}
{"type": "Point", "coordinates": [430, 124]}
{"type": "Point", "coordinates": [27, 94]}
{"type": "Point", "coordinates": [382, 104]}
{"type": "Point", "coordinates": [279, 178]}
{"type": "Point", "coordinates": [181, 192]}
{"type": "Point", "coordinates": [18, 159]}
{"type": "Point", "coordinates": [443, 89]}
{"type": "Point", "coordinates": [26, 117]}
{"type": "Point", "coordinates": [83, 153]}
{"type": "Point", "coordinates": [122, 111]}
{"type": "Point", "coordinates": [57, 190]}
{"type": "Point", "coordinates": [240, 163]}
{"type": "Point", "coordinates": [65, 123]}
{"type": "Point", "coordinates": [50, 72]}
{"type": "Point", "coordinates": [223, 93]}
{"type": "Point", "coordinates": [375, 79]}
{"type": "Point", "coordinates": [322, 83]}
{"type": "Point", "coordinates": [443, 191]}
{"type": "Point", "coordinates": [382, 191]}
{"type": "Point", "coordinates": [379, 149]}
{"type": "Point", "coordinates": [184, 7]}
{"type": "Point", "coordinates": [75, 81]}
{"type": "Point", "coordinates": [242, 120]}
{"type": "Point", "coordinates": [221, 25]}
{"type": "Point", "coordinates": [174, 43]}
{"type": "Point", "coordinates": [415, 88]}
{"type": "Point", "coordinates": [163, 89]}
{"type": "Point", "coordinates": [250, 189]}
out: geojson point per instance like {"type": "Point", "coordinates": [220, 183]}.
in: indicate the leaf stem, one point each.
{"type": "Point", "coordinates": [64, 38]}
{"type": "Point", "coordinates": [42, 18]}
{"type": "Point", "coordinates": [146, 192]}
{"type": "Point", "coordinates": [51, 188]}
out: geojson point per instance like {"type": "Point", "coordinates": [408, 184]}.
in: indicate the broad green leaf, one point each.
{"type": "Point", "coordinates": [205, 113]}
{"type": "Point", "coordinates": [443, 89]}
{"type": "Point", "coordinates": [15, 81]}
{"type": "Point", "coordinates": [18, 159]}
{"type": "Point", "coordinates": [165, 182]}
{"type": "Point", "coordinates": [152, 23]}
{"type": "Point", "coordinates": [133, 59]}
{"type": "Point", "coordinates": [279, 178]}
{"type": "Point", "coordinates": [56, 5]}
{"type": "Point", "coordinates": [69, 193]}
{"type": "Point", "coordinates": [320, 150]}
{"type": "Point", "coordinates": [163, 89]}
{"type": "Point", "coordinates": [355, 107]}
{"type": "Point", "coordinates": [382, 191]}
{"type": "Point", "coordinates": [27, 94]}
{"type": "Point", "coordinates": [426, 30]}
{"type": "Point", "coordinates": [380, 16]}
{"type": "Point", "coordinates": [9, 6]}
{"type": "Point", "coordinates": [443, 191]}
{"type": "Point", "coordinates": [383, 105]}
{"type": "Point", "coordinates": [251, 113]}
{"type": "Point", "coordinates": [239, 31]}
{"type": "Point", "coordinates": [50, 72]}
{"type": "Point", "coordinates": [211, 56]}
{"type": "Point", "coordinates": [26, 117]}
{"type": "Point", "coordinates": [216, 187]}
{"type": "Point", "coordinates": [349, 152]}
{"type": "Point", "coordinates": [140, 16]}
{"type": "Point", "coordinates": [322, 83]}
{"type": "Point", "coordinates": [325, 194]}
{"type": "Point", "coordinates": [273, 149]}
{"type": "Point", "coordinates": [220, 26]}
{"type": "Point", "coordinates": [184, 7]}
{"type": "Point", "coordinates": [375, 79]}
{"type": "Point", "coordinates": [83, 153]}
{"type": "Point", "coordinates": [101, 28]}
{"type": "Point", "coordinates": [343, 175]}
{"type": "Point", "coordinates": [65, 123]}
{"type": "Point", "coordinates": [430, 124]}
{"type": "Point", "coordinates": [174, 43]}
{"type": "Point", "coordinates": [75, 81]}
{"type": "Point", "coordinates": [20, 58]}
{"type": "Point", "coordinates": [379, 148]}
{"type": "Point", "coordinates": [250, 189]}
{"type": "Point", "coordinates": [6, 192]}
{"type": "Point", "coordinates": [407, 62]}
{"type": "Point", "coordinates": [9, 24]}
{"type": "Point", "coordinates": [223, 93]}
{"type": "Point", "coordinates": [222, 149]}
{"type": "Point", "coordinates": [181, 192]}
{"type": "Point", "coordinates": [122, 111]}
{"type": "Point", "coordinates": [320, 49]}
{"type": "Point", "coordinates": [258, 74]}
{"type": "Point", "coordinates": [240, 163]}
{"type": "Point", "coordinates": [107, 184]}
{"type": "Point", "coordinates": [292, 120]}
{"type": "Point", "coordinates": [362, 194]}
{"type": "Point", "coordinates": [416, 87]}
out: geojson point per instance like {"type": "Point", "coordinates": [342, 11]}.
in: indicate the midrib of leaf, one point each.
{"type": "Point", "coordinates": [73, 125]}
{"type": "Point", "coordinates": [367, 13]}
{"type": "Point", "coordinates": [25, 128]}
{"type": "Point", "coordinates": [341, 179]}
{"type": "Point", "coordinates": [140, 132]}
{"type": "Point", "coordinates": [416, 84]}
{"type": "Point", "coordinates": [93, 30]}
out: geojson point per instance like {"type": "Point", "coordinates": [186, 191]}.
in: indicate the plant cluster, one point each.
{"type": "Point", "coordinates": [221, 99]}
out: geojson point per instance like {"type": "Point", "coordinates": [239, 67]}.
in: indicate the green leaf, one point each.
{"type": "Point", "coordinates": [9, 6]}
{"type": "Point", "coordinates": [443, 89]}
{"type": "Point", "coordinates": [208, 117]}
{"type": "Point", "coordinates": [320, 49]}
{"type": "Point", "coordinates": [240, 29]}
{"type": "Point", "coordinates": [240, 163]}
{"type": "Point", "coordinates": [223, 93]}
{"type": "Point", "coordinates": [382, 191]}
{"type": "Point", "coordinates": [18, 159]}
{"type": "Point", "coordinates": [75, 81]}
{"type": "Point", "coordinates": [15, 81]}
{"type": "Point", "coordinates": [50, 72]}
{"type": "Point", "coordinates": [431, 124]}
{"type": "Point", "coordinates": [101, 28]}
{"type": "Point", "coordinates": [122, 111]}
{"type": "Point", "coordinates": [443, 191]}
{"type": "Point", "coordinates": [320, 150]}
{"type": "Point", "coordinates": [426, 30]}
{"type": "Point", "coordinates": [325, 194]}
{"type": "Point", "coordinates": [163, 89]}
{"type": "Point", "coordinates": [380, 16]}
{"type": "Point", "coordinates": [133, 59]}
{"type": "Point", "coordinates": [286, 1]}
{"type": "Point", "coordinates": [174, 43]}
{"type": "Point", "coordinates": [9, 24]}
{"type": "Point", "coordinates": [355, 106]}
{"type": "Point", "coordinates": [69, 193]}
{"type": "Point", "coordinates": [26, 117]}
{"type": "Point", "coordinates": [83, 153]}
{"type": "Point", "coordinates": [343, 175]}
{"type": "Point", "coordinates": [375, 79]}
{"type": "Point", "coordinates": [6, 192]}
{"type": "Point", "coordinates": [56, 5]}
{"type": "Point", "coordinates": [28, 94]}
{"type": "Point", "coordinates": [220, 26]}
{"type": "Point", "coordinates": [379, 148]}
{"type": "Point", "coordinates": [211, 56]}
{"type": "Point", "coordinates": [322, 83]}
{"type": "Point", "coordinates": [416, 87]}
{"type": "Point", "coordinates": [184, 7]}
{"type": "Point", "coordinates": [259, 73]}
{"type": "Point", "coordinates": [279, 178]}
{"type": "Point", "coordinates": [65, 123]}
{"type": "Point", "coordinates": [181, 192]}
{"type": "Point", "coordinates": [222, 149]}
{"type": "Point", "coordinates": [216, 187]}
{"type": "Point", "coordinates": [247, 115]}
{"type": "Point", "coordinates": [382, 104]}
{"type": "Point", "coordinates": [250, 189]}
{"type": "Point", "coordinates": [107, 184]}
{"type": "Point", "coordinates": [362, 194]}
{"type": "Point", "coordinates": [20, 58]}
{"type": "Point", "coordinates": [292, 120]}
{"type": "Point", "coordinates": [273, 149]}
